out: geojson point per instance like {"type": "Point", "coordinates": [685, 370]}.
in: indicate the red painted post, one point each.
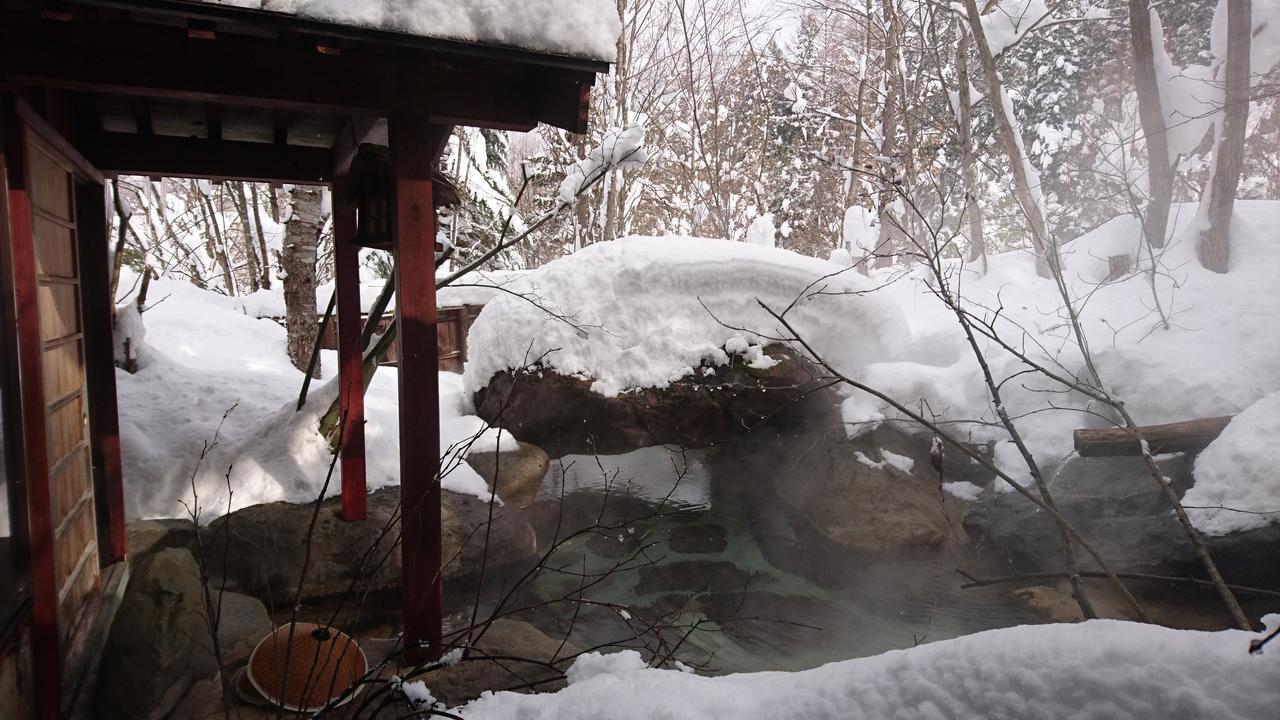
{"type": "Point", "coordinates": [44, 590]}
{"type": "Point", "coordinates": [414, 234]}
{"type": "Point", "coordinates": [346, 276]}
{"type": "Point", "coordinates": [100, 371]}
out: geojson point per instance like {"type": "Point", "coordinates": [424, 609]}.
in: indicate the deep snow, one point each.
{"type": "Point", "coordinates": [587, 28]}
{"type": "Point", "coordinates": [1093, 670]}
{"type": "Point", "coordinates": [203, 355]}
{"type": "Point", "coordinates": [644, 312]}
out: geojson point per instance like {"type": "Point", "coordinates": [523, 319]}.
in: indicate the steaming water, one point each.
{"type": "Point", "coordinates": [761, 600]}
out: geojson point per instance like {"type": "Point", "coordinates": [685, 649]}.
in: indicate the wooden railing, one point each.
{"type": "Point", "coordinates": [454, 322]}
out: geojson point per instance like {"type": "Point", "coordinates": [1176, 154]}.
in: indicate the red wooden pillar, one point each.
{"type": "Point", "coordinates": [414, 234]}
{"type": "Point", "coordinates": [100, 371]}
{"type": "Point", "coordinates": [45, 649]}
{"type": "Point", "coordinates": [346, 277]}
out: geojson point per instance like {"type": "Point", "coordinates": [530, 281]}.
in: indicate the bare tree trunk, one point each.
{"type": "Point", "coordinates": [217, 246]}
{"type": "Point", "coordinates": [890, 227]}
{"type": "Point", "coordinates": [298, 261]}
{"type": "Point", "coordinates": [240, 200]}
{"type": "Point", "coordinates": [265, 280]}
{"type": "Point", "coordinates": [972, 213]}
{"type": "Point", "coordinates": [851, 192]}
{"type": "Point", "coordinates": [1018, 160]}
{"type": "Point", "coordinates": [1214, 248]}
{"type": "Point", "coordinates": [613, 184]}
{"type": "Point", "coordinates": [274, 199]}
{"type": "Point", "coordinates": [1159, 169]}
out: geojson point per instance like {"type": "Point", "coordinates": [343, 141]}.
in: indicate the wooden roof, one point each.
{"type": "Point", "coordinates": [165, 87]}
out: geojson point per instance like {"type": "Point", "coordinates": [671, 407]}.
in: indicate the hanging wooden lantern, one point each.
{"type": "Point", "coordinates": [322, 663]}
{"type": "Point", "coordinates": [369, 189]}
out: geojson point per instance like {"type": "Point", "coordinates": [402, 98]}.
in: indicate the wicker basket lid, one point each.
{"type": "Point", "coordinates": [322, 663]}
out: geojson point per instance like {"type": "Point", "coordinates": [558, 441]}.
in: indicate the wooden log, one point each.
{"type": "Point", "coordinates": [1188, 436]}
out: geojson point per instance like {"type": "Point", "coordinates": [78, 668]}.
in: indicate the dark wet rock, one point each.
{"type": "Point", "coordinates": [149, 661]}
{"type": "Point", "coordinates": [698, 539]}
{"type": "Point", "coordinates": [268, 543]}
{"type": "Point", "coordinates": [518, 472]}
{"type": "Point", "coordinates": [563, 415]}
{"type": "Point", "coordinates": [852, 494]}
{"type": "Point", "coordinates": [470, 678]}
{"type": "Point", "coordinates": [147, 537]}
{"type": "Point", "coordinates": [159, 655]}
{"type": "Point", "coordinates": [1116, 505]}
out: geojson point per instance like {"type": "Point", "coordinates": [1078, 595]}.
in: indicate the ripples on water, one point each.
{"type": "Point", "coordinates": [766, 603]}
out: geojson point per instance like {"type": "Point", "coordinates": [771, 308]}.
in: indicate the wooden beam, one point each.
{"type": "Point", "coordinates": [280, 121]}
{"type": "Point", "coordinates": [141, 107]}
{"type": "Point", "coordinates": [125, 154]}
{"type": "Point", "coordinates": [1188, 436]}
{"type": "Point", "coordinates": [44, 589]}
{"type": "Point", "coordinates": [260, 72]}
{"type": "Point", "coordinates": [414, 233]}
{"type": "Point", "coordinates": [356, 131]}
{"type": "Point", "coordinates": [346, 272]}
{"type": "Point", "coordinates": [213, 121]}
{"type": "Point", "coordinates": [439, 140]}
{"type": "Point", "coordinates": [100, 372]}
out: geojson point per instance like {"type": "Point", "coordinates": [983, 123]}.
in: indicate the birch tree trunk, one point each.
{"type": "Point", "coordinates": [972, 213]}
{"type": "Point", "coordinates": [1159, 169]}
{"type": "Point", "coordinates": [298, 261]}
{"type": "Point", "coordinates": [1214, 247]}
{"type": "Point", "coordinates": [1026, 195]}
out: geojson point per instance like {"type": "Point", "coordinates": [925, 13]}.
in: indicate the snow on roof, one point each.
{"type": "Point", "coordinates": [578, 28]}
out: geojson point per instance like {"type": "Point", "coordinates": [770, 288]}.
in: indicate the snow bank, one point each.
{"type": "Point", "coordinates": [1238, 470]}
{"type": "Point", "coordinates": [1097, 669]}
{"type": "Point", "coordinates": [644, 312]}
{"type": "Point", "coordinates": [203, 356]}
{"type": "Point", "coordinates": [587, 28]}
{"type": "Point", "coordinates": [1220, 354]}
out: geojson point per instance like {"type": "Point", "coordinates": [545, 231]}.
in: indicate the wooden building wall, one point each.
{"type": "Point", "coordinates": [74, 520]}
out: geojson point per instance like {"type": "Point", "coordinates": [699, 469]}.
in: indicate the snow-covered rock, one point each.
{"type": "Point", "coordinates": [1238, 471]}
{"type": "Point", "coordinates": [644, 312]}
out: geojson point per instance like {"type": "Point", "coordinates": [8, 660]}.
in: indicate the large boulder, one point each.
{"type": "Point", "coordinates": [711, 405]}
{"type": "Point", "coordinates": [516, 473]}
{"type": "Point", "coordinates": [1116, 504]}
{"type": "Point", "coordinates": [159, 655]}
{"type": "Point", "coordinates": [543, 660]}
{"type": "Point", "coordinates": [268, 543]}
{"type": "Point", "coordinates": [863, 495]}
{"type": "Point", "coordinates": [148, 537]}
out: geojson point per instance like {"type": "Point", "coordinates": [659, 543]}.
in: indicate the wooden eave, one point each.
{"type": "Point", "coordinates": [175, 88]}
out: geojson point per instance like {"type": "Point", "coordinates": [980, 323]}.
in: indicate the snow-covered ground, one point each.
{"type": "Point", "coordinates": [203, 356]}
{"type": "Point", "coordinates": [1094, 670]}
{"type": "Point", "coordinates": [642, 312]}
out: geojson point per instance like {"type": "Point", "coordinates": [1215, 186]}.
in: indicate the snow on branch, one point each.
{"type": "Point", "coordinates": [621, 148]}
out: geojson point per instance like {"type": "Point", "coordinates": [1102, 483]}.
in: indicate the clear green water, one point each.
{"type": "Point", "coordinates": [685, 546]}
